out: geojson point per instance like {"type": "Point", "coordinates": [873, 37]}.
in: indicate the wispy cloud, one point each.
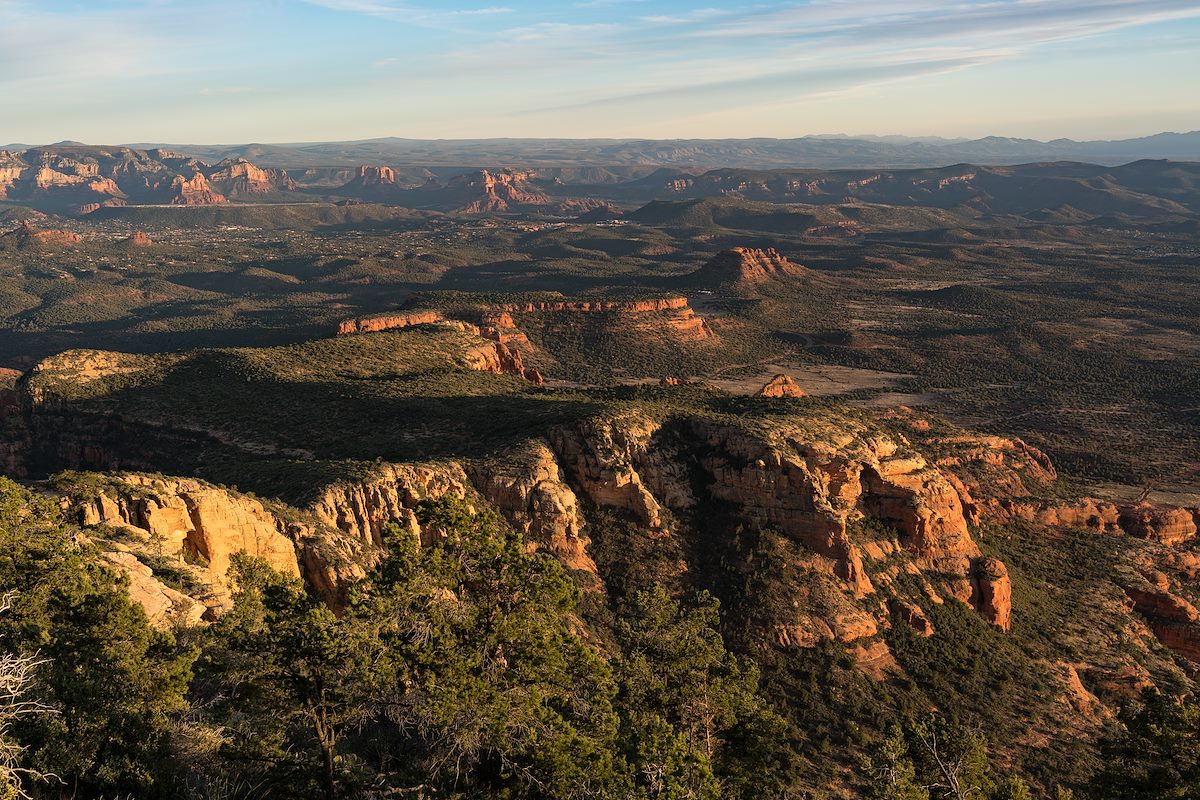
{"type": "Point", "coordinates": [741, 54]}
{"type": "Point", "coordinates": [402, 12]}
{"type": "Point", "coordinates": [43, 44]}
{"type": "Point", "coordinates": [369, 7]}
{"type": "Point", "coordinates": [592, 66]}
{"type": "Point", "coordinates": [225, 91]}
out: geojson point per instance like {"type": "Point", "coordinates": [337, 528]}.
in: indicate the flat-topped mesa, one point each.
{"type": "Point", "coordinates": [589, 306]}
{"type": "Point", "coordinates": [652, 317]}
{"type": "Point", "coordinates": [139, 239]}
{"type": "Point", "coordinates": [748, 266]}
{"type": "Point", "coordinates": [494, 351]}
{"type": "Point", "coordinates": [388, 322]}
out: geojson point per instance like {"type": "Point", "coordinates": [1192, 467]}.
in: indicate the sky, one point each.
{"type": "Point", "coordinates": [238, 71]}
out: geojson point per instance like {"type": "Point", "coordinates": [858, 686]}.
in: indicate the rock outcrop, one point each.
{"type": "Point", "coordinates": [597, 306]}
{"type": "Point", "coordinates": [1167, 525]}
{"type": "Point", "coordinates": [499, 358]}
{"type": "Point", "coordinates": [199, 521]}
{"type": "Point", "coordinates": [1174, 621]}
{"type": "Point", "coordinates": [530, 489]}
{"type": "Point", "coordinates": [992, 592]}
{"type": "Point", "coordinates": [812, 488]}
{"type": "Point", "coordinates": [361, 509]}
{"type": "Point", "coordinates": [671, 316]}
{"type": "Point", "coordinates": [165, 607]}
{"type": "Point", "coordinates": [371, 182]}
{"type": "Point", "coordinates": [501, 190]}
{"type": "Point", "coordinates": [237, 177]}
{"type": "Point", "coordinates": [652, 318]}
{"type": "Point", "coordinates": [494, 353]}
{"type": "Point", "coordinates": [748, 267]}
{"type": "Point", "coordinates": [143, 521]}
{"type": "Point", "coordinates": [868, 531]}
{"type": "Point", "coordinates": [781, 386]}
{"type": "Point", "coordinates": [1004, 480]}
{"type": "Point", "coordinates": [25, 235]}
{"type": "Point", "coordinates": [193, 190]}
{"type": "Point", "coordinates": [79, 179]}
{"type": "Point", "coordinates": [388, 322]}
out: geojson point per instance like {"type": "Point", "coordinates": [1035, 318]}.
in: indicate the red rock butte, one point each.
{"type": "Point", "coordinates": [374, 176]}
{"type": "Point", "coordinates": [749, 266]}
{"type": "Point", "coordinates": [781, 386]}
{"type": "Point", "coordinates": [25, 235]}
{"type": "Point", "coordinates": [498, 191]}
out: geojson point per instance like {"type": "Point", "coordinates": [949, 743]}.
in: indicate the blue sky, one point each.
{"type": "Point", "coordinates": [304, 70]}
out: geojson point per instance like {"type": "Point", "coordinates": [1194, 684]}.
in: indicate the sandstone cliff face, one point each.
{"type": "Point", "coordinates": [376, 176]}
{"type": "Point", "coordinates": [667, 316]}
{"type": "Point", "coordinates": [388, 322]}
{"type": "Point", "coordinates": [238, 177]}
{"type": "Point", "coordinates": [493, 353]}
{"type": "Point", "coordinates": [599, 306]}
{"type": "Point", "coordinates": [11, 169]}
{"type": "Point", "coordinates": [145, 520]}
{"type": "Point", "coordinates": [1005, 480]}
{"type": "Point", "coordinates": [811, 487]}
{"type": "Point", "coordinates": [198, 527]}
{"type": "Point", "coordinates": [1174, 621]}
{"type": "Point", "coordinates": [194, 519]}
{"type": "Point", "coordinates": [871, 527]}
{"type": "Point", "coordinates": [992, 592]}
{"type": "Point", "coordinates": [499, 358]}
{"type": "Point", "coordinates": [501, 327]}
{"type": "Point", "coordinates": [603, 458]}
{"type": "Point", "coordinates": [1166, 525]}
{"type": "Point", "coordinates": [498, 191]}
{"type": "Point", "coordinates": [530, 489]}
{"type": "Point", "coordinates": [165, 607]}
{"type": "Point", "coordinates": [81, 179]}
{"type": "Point", "coordinates": [372, 182]}
{"type": "Point", "coordinates": [361, 509]}
{"type": "Point", "coordinates": [193, 191]}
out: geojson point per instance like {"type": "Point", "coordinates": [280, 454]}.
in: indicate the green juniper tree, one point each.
{"type": "Point", "coordinates": [113, 683]}
{"type": "Point", "coordinates": [933, 759]}
{"type": "Point", "coordinates": [1157, 755]}
{"type": "Point", "coordinates": [693, 722]}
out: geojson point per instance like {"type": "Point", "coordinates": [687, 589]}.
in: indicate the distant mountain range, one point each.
{"type": "Point", "coordinates": [79, 179]}
{"type": "Point", "coordinates": [75, 179]}
{"type": "Point", "coordinates": [826, 152]}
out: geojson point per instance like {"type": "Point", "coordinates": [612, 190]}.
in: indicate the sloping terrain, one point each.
{"type": "Point", "coordinates": [907, 545]}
